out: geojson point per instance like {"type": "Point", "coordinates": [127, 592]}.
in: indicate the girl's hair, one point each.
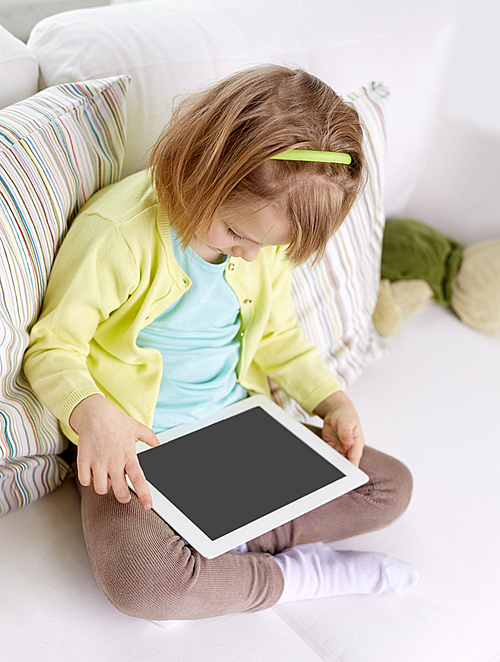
{"type": "Point", "coordinates": [214, 155]}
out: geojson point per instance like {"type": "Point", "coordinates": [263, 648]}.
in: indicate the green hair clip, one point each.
{"type": "Point", "coordinates": [311, 155]}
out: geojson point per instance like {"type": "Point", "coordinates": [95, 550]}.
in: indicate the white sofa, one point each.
{"type": "Point", "coordinates": [434, 402]}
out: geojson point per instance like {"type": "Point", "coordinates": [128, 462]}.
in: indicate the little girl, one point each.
{"type": "Point", "coordinates": [169, 299]}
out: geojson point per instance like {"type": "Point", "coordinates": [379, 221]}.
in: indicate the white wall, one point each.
{"type": "Point", "coordinates": [459, 189]}
{"type": "Point", "coordinates": [18, 16]}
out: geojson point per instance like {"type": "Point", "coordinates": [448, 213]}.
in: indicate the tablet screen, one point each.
{"type": "Point", "coordinates": [235, 471]}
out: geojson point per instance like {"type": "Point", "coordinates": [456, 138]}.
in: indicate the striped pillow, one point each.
{"type": "Point", "coordinates": [335, 300]}
{"type": "Point", "coordinates": [57, 148]}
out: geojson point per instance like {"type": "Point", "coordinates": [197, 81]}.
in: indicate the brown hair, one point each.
{"type": "Point", "coordinates": [215, 153]}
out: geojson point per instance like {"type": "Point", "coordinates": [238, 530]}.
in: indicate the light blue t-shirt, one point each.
{"type": "Point", "coordinates": [199, 343]}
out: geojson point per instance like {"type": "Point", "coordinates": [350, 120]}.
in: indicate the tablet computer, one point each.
{"type": "Point", "coordinates": [241, 472]}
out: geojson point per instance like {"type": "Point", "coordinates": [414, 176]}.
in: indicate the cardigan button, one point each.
{"type": "Point", "coordinates": [231, 266]}
{"type": "Point", "coordinates": [247, 301]}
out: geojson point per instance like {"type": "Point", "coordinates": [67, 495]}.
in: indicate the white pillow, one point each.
{"type": "Point", "coordinates": [18, 70]}
{"type": "Point", "coordinates": [57, 148]}
{"type": "Point", "coordinates": [170, 47]}
{"type": "Point", "coordinates": [335, 300]}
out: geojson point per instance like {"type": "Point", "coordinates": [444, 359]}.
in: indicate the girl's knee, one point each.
{"type": "Point", "coordinates": [390, 486]}
{"type": "Point", "coordinates": [401, 487]}
{"type": "Point", "coordinates": [148, 586]}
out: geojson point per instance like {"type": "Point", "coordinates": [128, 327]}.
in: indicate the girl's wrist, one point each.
{"type": "Point", "coordinates": [332, 401]}
{"type": "Point", "coordinates": [80, 413]}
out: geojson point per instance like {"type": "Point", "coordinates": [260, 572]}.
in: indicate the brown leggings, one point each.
{"type": "Point", "coordinates": [146, 570]}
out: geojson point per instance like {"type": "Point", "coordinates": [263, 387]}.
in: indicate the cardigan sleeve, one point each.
{"type": "Point", "coordinates": [93, 274]}
{"type": "Point", "coordinates": [285, 354]}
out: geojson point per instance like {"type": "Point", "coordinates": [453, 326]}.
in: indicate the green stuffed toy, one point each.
{"type": "Point", "coordinates": [420, 264]}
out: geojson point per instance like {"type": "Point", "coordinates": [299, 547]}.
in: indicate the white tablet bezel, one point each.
{"type": "Point", "coordinates": [210, 549]}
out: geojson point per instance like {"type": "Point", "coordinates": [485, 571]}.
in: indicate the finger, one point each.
{"type": "Point", "coordinates": [141, 488]}
{"type": "Point", "coordinates": [101, 483]}
{"type": "Point", "coordinates": [346, 434]}
{"type": "Point", "coordinates": [84, 472]}
{"type": "Point", "coordinates": [353, 456]}
{"type": "Point", "coordinates": [355, 452]}
{"type": "Point", "coordinates": [328, 434]}
{"type": "Point", "coordinates": [337, 446]}
{"type": "Point", "coordinates": [120, 487]}
{"type": "Point", "coordinates": [341, 441]}
{"type": "Point", "coordinates": [148, 436]}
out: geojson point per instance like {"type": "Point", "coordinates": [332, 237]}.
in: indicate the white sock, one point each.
{"type": "Point", "coordinates": [167, 624]}
{"type": "Point", "coordinates": [314, 570]}
{"type": "Point", "coordinates": [243, 548]}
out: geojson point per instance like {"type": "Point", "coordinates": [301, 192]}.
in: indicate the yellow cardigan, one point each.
{"type": "Point", "coordinates": [114, 273]}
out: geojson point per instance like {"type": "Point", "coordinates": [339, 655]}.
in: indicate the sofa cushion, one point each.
{"type": "Point", "coordinates": [170, 47]}
{"type": "Point", "coordinates": [335, 300]}
{"type": "Point", "coordinates": [18, 69]}
{"type": "Point", "coordinates": [57, 148]}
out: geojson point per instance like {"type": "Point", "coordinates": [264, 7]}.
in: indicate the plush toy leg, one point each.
{"type": "Point", "coordinates": [387, 316]}
{"type": "Point", "coordinates": [399, 301]}
{"type": "Point", "coordinates": [412, 296]}
{"type": "Point", "coordinates": [476, 288]}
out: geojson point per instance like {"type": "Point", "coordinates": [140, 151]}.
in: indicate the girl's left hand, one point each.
{"type": "Point", "coordinates": [341, 427]}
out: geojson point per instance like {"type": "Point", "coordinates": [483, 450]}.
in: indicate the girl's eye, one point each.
{"type": "Point", "coordinates": [233, 234]}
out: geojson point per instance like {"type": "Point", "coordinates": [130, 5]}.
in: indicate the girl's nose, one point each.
{"type": "Point", "coordinates": [248, 253]}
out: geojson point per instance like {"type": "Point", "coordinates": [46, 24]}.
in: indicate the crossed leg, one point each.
{"type": "Point", "coordinates": [146, 570]}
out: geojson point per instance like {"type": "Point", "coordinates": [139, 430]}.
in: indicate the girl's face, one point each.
{"type": "Point", "coordinates": [243, 235]}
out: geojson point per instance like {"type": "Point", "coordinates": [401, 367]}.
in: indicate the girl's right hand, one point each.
{"type": "Point", "coordinates": [106, 449]}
